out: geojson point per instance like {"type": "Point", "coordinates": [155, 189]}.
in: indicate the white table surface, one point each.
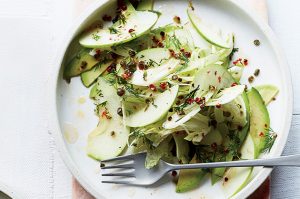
{"type": "Point", "coordinates": [29, 34]}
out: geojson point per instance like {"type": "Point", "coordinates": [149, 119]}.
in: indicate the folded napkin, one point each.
{"type": "Point", "coordinates": [78, 192]}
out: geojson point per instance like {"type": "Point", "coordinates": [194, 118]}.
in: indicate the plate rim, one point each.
{"type": "Point", "coordinates": [52, 85]}
{"type": "Point", "coordinates": [9, 191]}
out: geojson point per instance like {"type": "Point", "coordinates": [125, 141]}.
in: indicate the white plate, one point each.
{"type": "Point", "coordinates": [65, 108]}
{"type": "Point", "coordinates": [8, 192]}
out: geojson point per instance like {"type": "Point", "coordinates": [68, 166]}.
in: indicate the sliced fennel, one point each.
{"type": "Point", "coordinates": [153, 56]}
{"type": "Point", "coordinates": [154, 75]}
{"type": "Point", "coordinates": [226, 95]}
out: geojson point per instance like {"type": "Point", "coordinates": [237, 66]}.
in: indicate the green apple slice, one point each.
{"type": "Point", "coordinates": [209, 35]}
{"type": "Point", "coordinates": [237, 178]}
{"type": "Point", "coordinates": [110, 138]}
{"type": "Point", "coordinates": [267, 92]}
{"type": "Point", "coordinates": [134, 25]}
{"type": "Point", "coordinates": [155, 74]}
{"type": "Point", "coordinates": [162, 104]}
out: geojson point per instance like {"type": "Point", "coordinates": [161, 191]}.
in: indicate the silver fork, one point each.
{"type": "Point", "coordinates": [132, 171]}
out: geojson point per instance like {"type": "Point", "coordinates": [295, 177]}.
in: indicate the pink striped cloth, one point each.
{"type": "Point", "coordinates": [78, 192]}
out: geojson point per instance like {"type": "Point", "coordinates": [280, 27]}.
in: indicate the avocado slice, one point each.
{"type": "Point", "coordinates": [145, 5]}
{"type": "Point", "coordinates": [89, 77]}
{"type": "Point", "coordinates": [82, 62]}
{"type": "Point", "coordinates": [259, 121]}
{"type": "Point", "coordinates": [217, 173]}
{"type": "Point", "coordinates": [190, 179]}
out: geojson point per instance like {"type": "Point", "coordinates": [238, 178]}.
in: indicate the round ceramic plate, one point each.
{"type": "Point", "coordinates": [7, 192]}
{"type": "Point", "coordinates": [71, 111]}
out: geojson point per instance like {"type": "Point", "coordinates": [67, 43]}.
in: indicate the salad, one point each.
{"type": "Point", "coordinates": [173, 91]}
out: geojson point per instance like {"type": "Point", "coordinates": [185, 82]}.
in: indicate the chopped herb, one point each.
{"type": "Point", "coordinates": [154, 104]}
{"type": "Point", "coordinates": [113, 30]}
{"type": "Point", "coordinates": [116, 80]}
{"type": "Point", "coordinates": [122, 19]}
{"type": "Point", "coordinates": [191, 5]}
{"type": "Point", "coordinates": [152, 63]}
{"type": "Point", "coordinates": [96, 37]}
{"type": "Point", "coordinates": [145, 75]}
{"type": "Point", "coordinates": [235, 144]}
{"type": "Point", "coordinates": [190, 95]}
{"type": "Point", "coordinates": [234, 50]}
{"type": "Point", "coordinates": [203, 155]}
{"type": "Point", "coordinates": [129, 88]}
{"type": "Point", "coordinates": [270, 138]}
{"type": "Point", "coordinates": [173, 41]}
{"type": "Point", "coordinates": [103, 104]}
{"type": "Point", "coordinates": [185, 60]}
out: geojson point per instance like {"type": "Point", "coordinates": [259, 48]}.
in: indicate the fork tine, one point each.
{"type": "Point", "coordinates": [125, 157]}
{"type": "Point", "coordinates": [127, 174]}
{"type": "Point", "coordinates": [122, 166]}
{"type": "Point", "coordinates": [117, 182]}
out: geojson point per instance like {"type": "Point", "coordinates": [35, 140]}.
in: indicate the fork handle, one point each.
{"type": "Point", "coordinates": [292, 161]}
